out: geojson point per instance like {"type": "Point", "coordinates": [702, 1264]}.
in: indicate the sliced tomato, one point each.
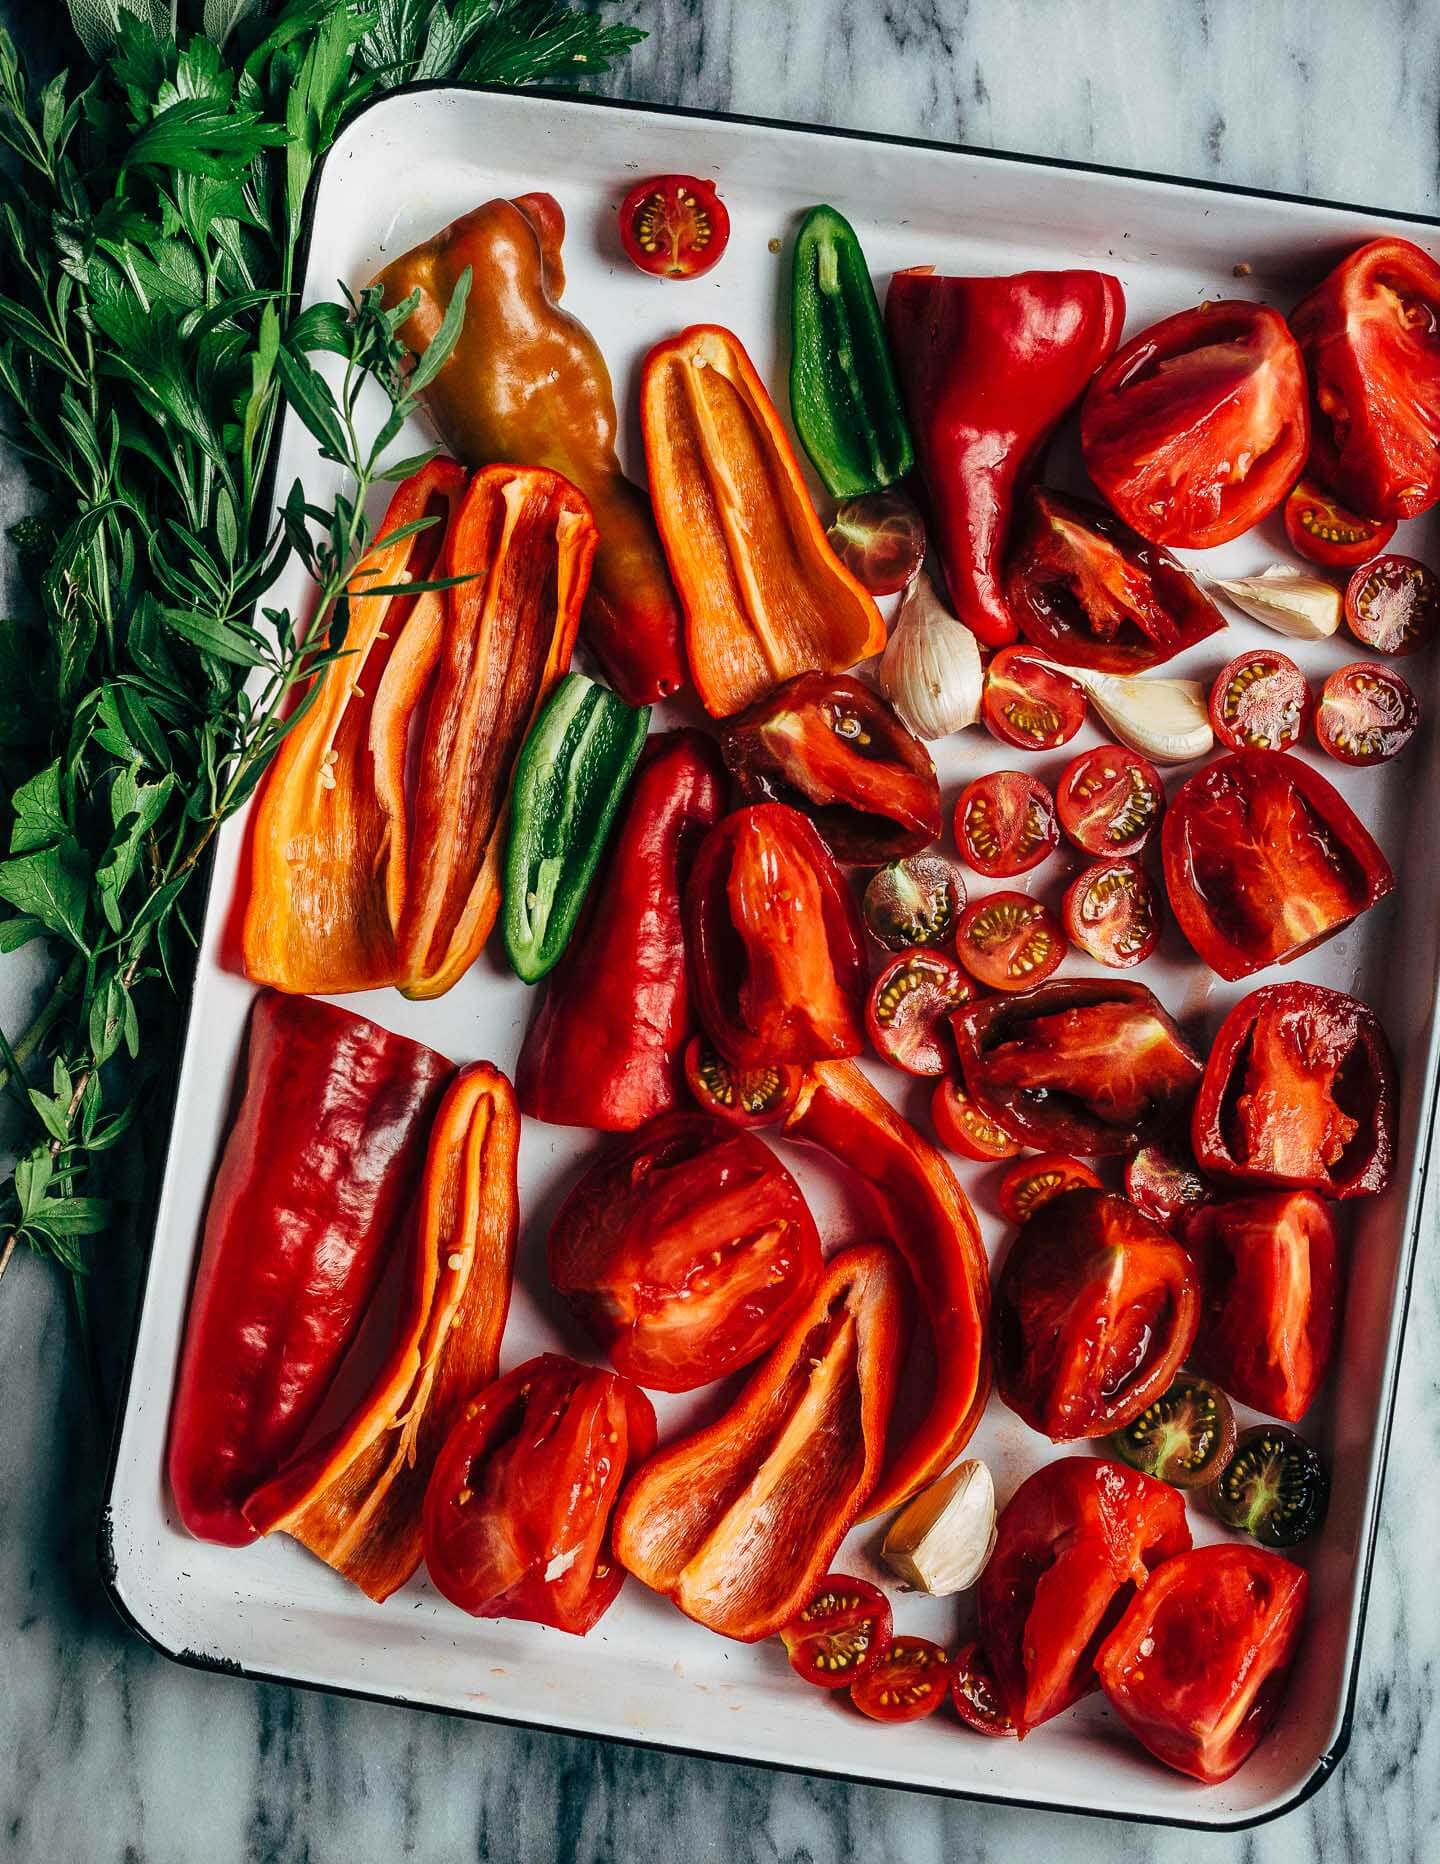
{"type": "Point", "coordinates": [1393, 605]}
{"type": "Point", "coordinates": [744, 1096]}
{"type": "Point", "coordinates": [839, 1633]}
{"type": "Point", "coordinates": [1260, 701]}
{"type": "Point", "coordinates": [1112, 912]}
{"type": "Point", "coordinates": [1030, 705]}
{"type": "Point", "coordinates": [1033, 1182]}
{"type": "Point", "coordinates": [1184, 1437]}
{"type": "Point", "coordinates": [1324, 531]}
{"type": "Point", "coordinates": [1005, 824]}
{"type": "Point", "coordinates": [916, 901]}
{"type": "Point", "coordinates": [963, 1128]}
{"type": "Point", "coordinates": [880, 538]}
{"type": "Point", "coordinates": [1163, 1181]}
{"type": "Point", "coordinates": [1007, 941]}
{"type": "Point", "coordinates": [1273, 1488]}
{"type": "Point", "coordinates": [674, 226]}
{"type": "Point", "coordinates": [907, 1681]}
{"type": "Point", "coordinates": [1109, 800]}
{"type": "Point", "coordinates": [906, 1010]}
{"type": "Point", "coordinates": [1367, 713]}
{"type": "Point", "coordinates": [973, 1692]}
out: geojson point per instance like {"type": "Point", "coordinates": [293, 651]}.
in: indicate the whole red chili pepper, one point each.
{"type": "Point", "coordinates": [605, 1048]}
{"type": "Point", "coordinates": [322, 1158]}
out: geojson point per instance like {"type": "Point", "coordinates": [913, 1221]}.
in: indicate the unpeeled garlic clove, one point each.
{"type": "Point", "coordinates": [931, 670]}
{"type": "Point", "coordinates": [939, 1542]}
{"type": "Point", "coordinates": [1163, 719]}
{"type": "Point", "coordinates": [1292, 602]}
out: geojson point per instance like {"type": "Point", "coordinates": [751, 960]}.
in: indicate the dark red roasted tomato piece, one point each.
{"type": "Point", "coordinates": [973, 1692]}
{"type": "Point", "coordinates": [880, 538]}
{"type": "Point", "coordinates": [908, 1680]}
{"type": "Point", "coordinates": [917, 901]}
{"type": "Point", "coordinates": [1007, 941]}
{"type": "Point", "coordinates": [1260, 701]}
{"type": "Point", "coordinates": [1163, 1181]}
{"type": "Point", "coordinates": [909, 1002]}
{"type": "Point", "coordinates": [1367, 713]}
{"type": "Point", "coordinates": [1005, 824]}
{"type": "Point", "coordinates": [1030, 705]}
{"type": "Point", "coordinates": [1112, 912]}
{"type": "Point", "coordinates": [1109, 800]}
{"type": "Point", "coordinates": [1088, 591]}
{"type": "Point", "coordinates": [1324, 531]}
{"type": "Point", "coordinates": [759, 1096]}
{"type": "Point", "coordinates": [828, 745]}
{"type": "Point", "coordinates": [839, 1633]}
{"type": "Point", "coordinates": [674, 226]}
{"type": "Point", "coordinates": [1034, 1181]}
{"type": "Point", "coordinates": [1393, 605]}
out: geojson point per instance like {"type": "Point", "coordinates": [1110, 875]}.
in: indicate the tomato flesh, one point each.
{"type": "Point", "coordinates": [963, 1128]}
{"type": "Point", "coordinates": [1007, 941]}
{"type": "Point", "coordinates": [907, 1007]}
{"type": "Point", "coordinates": [1367, 713]}
{"type": "Point", "coordinates": [674, 226]}
{"type": "Point", "coordinates": [1393, 605]}
{"type": "Point", "coordinates": [1274, 1487]}
{"type": "Point", "coordinates": [907, 1681]}
{"type": "Point", "coordinates": [1260, 701]}
{"type": "Point", "coordinates": [1005, 824]}
{"type": "Point", "coordinates": [1109, 800]}
{"type": "Point", "coordinates": [1028, 704]}
{"type": "Point", "coordinates": [744, 1096]}
{"type": "Point", "coordinates": [839, 1633]}
{"type": "Point", "coordinates": [1033, 1182]}
{"type": "Point", "coordinates": [1185, 1437]}
{"type": "Point", "coordinates": [1322, 530]}
{"type": "Point", "coordinates": [1163, 1181]}
{"type": "Point", "coordinates": [973, 1692]}
{"type": "Point", "coordinates": [916, 901]}
{"type": "Point", "coordinates": [880, 538]}
{"type": "Point", "coordinates": [1112, 912]}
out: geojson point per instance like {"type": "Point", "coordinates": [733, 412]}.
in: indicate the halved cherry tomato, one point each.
{"type": "Point", "coordinates": [1007, 941]}
{"type": "Point", "coordinates": [1030, 705]}
{"type": "Point", "coordinates": [916, 901]}
{"type": "Point", "coordinates": [963, 1128]}
{"type": "Point", "coordinates": [1260, 701]}
{"type": "Point", "coordinates": [908, 1680]}
{"type": "Point", "coordinates": [1185, 1437]}
{"type": "Point", "coordinates": [1033, 1182]}
{"type": "Point", "coordinates": [1367, 713]}
{"type": "Point", "coordinates": [744, 1096]}
{"type": "Point", "coordinates": [973, 1692]}
{"type": "Point", "coordinates": [1274, 1488]}
{"type": "Point", "coordinates": [674, 226]}
{"type": "Point", "coordinates": [1005, 824]}
{"type": "Point", "coordinates": [907, 1007]}
{"type": "Point", "coordinates": [1393, 604]}
{"type": "Point", "coordinates": [1109, 800]}
{"type": "Point", "coordinates": [839, 1633]}
{"type": "Point", "coordinates": [880, 538]}
{"type": "Point", "coordinates": [1163, 1181]}
{"type": "Point", "coordinates": [1112, 912]}
{"type": "Point", "coordinates": [1324, 531]}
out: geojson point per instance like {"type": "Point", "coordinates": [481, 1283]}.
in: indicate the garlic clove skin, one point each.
{"type": "Point", "coordinates": [930, 671]}
{"type": "Point", "coordinates": [940, 1541]}
{"type": "Point", "coordinates": [1165, 720]}
{"type": "Point", "coordinates": [1293, 602]}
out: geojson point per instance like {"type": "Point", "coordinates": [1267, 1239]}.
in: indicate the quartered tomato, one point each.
{"type": "Point", "coordinates": [674, 226]}
{"type": "Point", "coordinates": [1324, 531]}
{"type": "Point", "coordinates": [907, 1681]}
{"type": "Point", "coordinates": [1033, 1182]}
{"type": "Point", "coordinates": [1112, 912]}
{"type": "Point", "coordinates": [917, 901]}
{"type": "Point", "coordinates": [1393, 605]}
{"type": "Point", "coordinates": [1260, 700]}
{"type": "Point", "coordinates": [1198, 427]}
{"type": "Point", "coordinates": [907, 1007]}
{"type": "Point", "coordinates": [1163, 1181]}
{"type": "Point", "coordinates": [1109, 800]}
{"type": "Point", "coordinates": [973, 1692]}
{"type": "Point", "coordinates": [839, 1633]}
{"type": "Point", "coordinates": [744, 1096]}
{"type": "Point", "coordinates": [1007, 941]}
{"type": "Point", "coordinates": [880, 538]}
{"type": "Point", "coordinates": [1005, 824]}
{"type": "Point", "coordinates": [1030, 705]}
{"type": "Point", "coordinates": [1184, 1437]}
{"type": "Point", "coordinates": [1274, 1487]}
{"type": "Point", "coordinates": [1367, 713]}
{"type": "Point", "coordinates": [963, 1128]}
{"type": "Point", "coordinates": [1196, 1668]}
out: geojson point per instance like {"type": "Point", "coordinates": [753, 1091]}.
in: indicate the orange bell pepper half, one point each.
{"type": "Point", "coordinates": [929, 1218]}
{"type": "Point", "coordinates": [764, 595]}
{"type": "Point", "coordinates": [355, 1499]}
{"type": "Point", "coordinates": [737, 1521]}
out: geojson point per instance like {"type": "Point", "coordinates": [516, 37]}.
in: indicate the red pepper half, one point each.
{"type": "Point", "coordinates": [987, 367]}
{"type": "Point", "coordinates": [1299, 1090]}
{"type": "Point", "coordinates": [605, 1048]}
{"type": "Point", "coordinates": [325, 1150]}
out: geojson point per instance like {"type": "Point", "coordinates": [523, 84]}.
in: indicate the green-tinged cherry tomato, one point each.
{"type": "Point", "coordinates": [906, 1010]}
{"type": "Point", "coordinates": [973, 1692]}
{"type": "Point", "coordinates": [674, 226]}
{"type": "Point", "coordinates": [1393, 604]}
{"type": "Point", "coordinates": [962, 1127]}
{"type": "Point", "coordinates": [1007, 941]}
{"type": "Point", "coordinates": [916, 901]}
{"type": "Point", "coordinates": [1274, 1488]}
{"type": "Point", "coordinates": [744, 1096]}
{"type": "Point", "coordinates": [1367, 713]}
{"type": "Point", "coordinates": [1005, 824]}
{"type": "Point", "coordinates": [1184, 1438]}
{"type": "Point", "coordinates": [1260, 702]}
{"type": "Point", "coordinates": [908, 1680]}
{"type": "Point", "coordinates": [1033, 1182]}
{"type": "Point", "coordinates": [839, 1633]}
{"type": "Point", "coordinates": [880, 538]}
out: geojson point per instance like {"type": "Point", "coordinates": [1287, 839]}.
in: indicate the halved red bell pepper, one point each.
{"type": "Point", "coordinates": [987, 367]}
{"type": "Point", "coordinates": [775, 941]}
{"type": "Point", "coordinates": [928, 1217]}
{"type": "Point", "coordinates": [325, 1151]}
{"type": "Point", "coordinates": [736, 1521]}
{"type": "Point", "coordinates": [354, 1500]}
{"type": "Point", "coordinates": [517, 1520]}
{"type": "Point", "coordinates": [605, 1048]}
{"type": "Point", "coordinates": [1299, 1090]}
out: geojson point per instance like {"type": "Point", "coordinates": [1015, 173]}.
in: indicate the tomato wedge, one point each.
{"type": "Point", "coordinates": [674, 226]}
{"type": "Point", "coordinates": [1393, 605]}
{"type": "Point", "coordinates": [1109, 800]}
{"type": "Point", "coordinates": [973, 1692]}
{"type": "Point", "coordinates": [1323, 531]}
{"type": "Point", "coordinates": [1367, 713]}
{"type": "Point", "coordinates": [916, 901]}
{"type": "Point", "coordinates": [907, 1007]}
{"type": "Point", "coordinates": [760, 1096]}
{"type": "Point", "coordinates": [1112, 912]}
{"type": "Point", "coordinates": [1030, 705]}
{"type": "Point", "coordinates": [839, 1633]}
{"type": "Point", "coordinates": [880, 538]}
{"type": "Point", "coordinates": [907, 1681]}
{"type": "Point", "coordinates": [1033, 1182]}
{"type": "Point", "coordinates": [963, 1128]}
{"type": "Point", "coordinates": [1007, 941]}
{"type": "Point", "coordinates": [1005, 824]}
{"type": "Point", "coordinates": [1260, 701]}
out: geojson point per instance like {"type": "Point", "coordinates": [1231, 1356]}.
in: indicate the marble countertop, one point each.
{"type": "Point", "coordinates": [107, 1751]}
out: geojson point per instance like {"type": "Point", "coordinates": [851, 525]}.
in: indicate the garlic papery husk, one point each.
{"type": "Point", "coordinates": [940, 1541]}
{"type": "Point", "coordinates": [931, 670]}
{"type": "Point", "coordinates": [1165, 720]}
{"type": "Point", "coordinates": [1291, 601]}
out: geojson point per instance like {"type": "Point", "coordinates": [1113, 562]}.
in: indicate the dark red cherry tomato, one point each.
{"type": "Point", "coordinates": [1005, 824]}
{"type": "Point", "coordinates": [1007, 941]}
{"type": "Point", "coordinates": [839, 1633]}
{"type": "Point", "coordinates": [1366, 713]}
{"type": "Point", "coordinates": [960, 1125]}
{"type": "Point", "coordinates": [880, 538]}
{"type": "Point", "coordinates": [1112, 912]}
{"type": "Point", "coordinates": [1324, 531]}
{"type": "Point", "coordinates": [916, 901]}
{"type": "Point", "coordinates": [908, 1680]}
{"type": "Point", "coordinates": [1109, 800]}
{"type": "Point", "coordinates": [744, 1096]}
{"type": "Point", "coordinates": [1163, 1181]}
{"type": "Point", "coordinates": [907, 1006]}
{"type": "Point", "coordinates": [1260, 701]}
{"type": "Point", "coordinates": [1033, 1182]}
{"type": "Point", "coordinates": [674, 226]}
{"type": "Point", "coordinates": [973, 1692]}
{"type": "Point", "coordinates": [1393, 604]}
{"type": "Point", "coordinates": [1030, 705]}
{"type": "Point", "coordinates": [1274, 1488]}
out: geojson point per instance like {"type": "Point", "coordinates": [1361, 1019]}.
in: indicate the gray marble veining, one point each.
{"type": "Point", "coordinates": [107, 1751]}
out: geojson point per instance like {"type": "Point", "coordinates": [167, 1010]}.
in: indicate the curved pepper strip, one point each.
{"type": "Point", "coordinates": [327, 832]}
{"type": "Point", "coordinates": [526, 383]}
{"type": "Point", "coordinates": [325, 1151]}
{"type": "Point", "coordinates": [764, 595]}
{"type": "Point", "coordinates": [929, 1219]}
{"type": "Point", "coordinates": [737, 1521]}
{"type": "Point", "coordinates": [355, 1499]}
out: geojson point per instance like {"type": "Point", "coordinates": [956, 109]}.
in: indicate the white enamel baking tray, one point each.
{"type": "Point", "coordinates": [407, 166]}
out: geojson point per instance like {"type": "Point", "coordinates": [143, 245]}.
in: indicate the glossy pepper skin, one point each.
{"type": "Point", "coordinates": [843, 395]}
{"type": "Point", "coordinates": [764, 595]}
{"type": "Point", "coordinates": [526, 384]}
{"type": "Point", "coordinates": [324, 1154]}
{"type": "Point", "coordinates": [355, 1499]}
{"type": "Point", "coordinates": [604, 1049]}
{"type": "Point", "coordinates": [987, 367]}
